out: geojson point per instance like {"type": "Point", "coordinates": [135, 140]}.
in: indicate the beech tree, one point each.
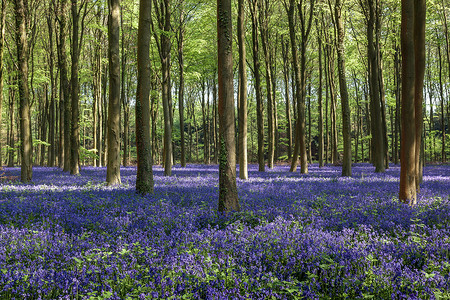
{"type": "Point", "coordinates": [243, 170]}
{"type": "Point", "coordinates": [113, 160]}
{"type": "Point", "coordinates": [144, 178]}
{"type": "Point", "coordinates": [21, 13]}
{"type": "Point", "coordinates": [413, 67]}
{"type": "Point", "coordinates": [228, 197]}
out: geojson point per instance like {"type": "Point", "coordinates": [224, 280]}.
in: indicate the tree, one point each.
{"type": "Point", "coordinates": [144, 178]}
{"type": "Point", "coordinates": [413, 64]}
{"type": "Point", "coordinates": [228, 197]}
{"type": "Point", "coordinates": [243, 171]}
{"type": "Point", "coordinates": [347, 161]}
{"type": "Point", "coordinates": [256, 74]}
{"type": "Point", "coordinates": [113, 160]}
{"type": "Point", "coordinates": [75, 133]}
{"type": "Point", "coordinates": [26, 150]}
{"type": "Point", "coordinates": [163, 13]}
{"type": "Point", "coordinates": [2, 43]}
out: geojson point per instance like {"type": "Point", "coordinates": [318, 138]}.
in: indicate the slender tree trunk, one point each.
{"type": "Point", "coordinates": [257, 76]}
{"type": "Point", "coordinates": [346, 118]}
{"type": "Point", "coordinates": [2, 43]}
{"type": "Point", "coordinates": [181, 89]}
{"type": "Point", "coordinates": [124, 97]}
{"type": "Point", "coordinates": [319, 92]}
{"type": "Point", "coordinates": [26, 150]}
{"type": "Point", "coordinates": [144, 178]}
{"type": "Point", "coordinates": [285, 54]}
{"type": "Point", "coordinates": [113, 160]}
{"type": "Point", "coordinates": [75, 134]}
{"type": "Point", "coordinates": [419, 57]}
{"type": "Point", "coordinates": [243, 111]}
{"type": "Point", "coordinates": [264, 29]}
{"type": "Point", "coordinates": [51, 119]}
{"type": "Point", "coordinates": [228, 197]}
{"type": "Point", "coordinates": [11, 138]}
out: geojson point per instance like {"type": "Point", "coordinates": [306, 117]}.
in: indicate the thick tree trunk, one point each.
{"type": "Point", "coordinates": [66, 116]}
{"type": "Point", "coordinates": [228, 197]}
{"type": "Point", "coordinates": [144, 178]}
{"type": "Point", "coordinates": [378, 149]}
{"type": "Point", "coordinates": [346, 118]}
{"type": "Point", "coordinates": [26, 150]}
{"type": "Point", "coordinates": [412, 11]}
{"type": "Point", "coordinates": [113, 160]}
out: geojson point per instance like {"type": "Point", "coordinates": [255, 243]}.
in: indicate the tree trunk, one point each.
{"type": "Point", "coordinates": [124, 97]}
{"type": "Point", "coordinates": [2, 42]}
{"type": "Point", "coordinates": [75, 133]}
{"type": "Point", "coordinates": [181, 88]}
{"type": "Point", "coordinates": [378, 149]}
{"type": "Point", "coordinates": [413, 50]}
{"type": "Point", "coordinates": [285, 54]}
{"type": "Point", "coordinates": [419, 57]}
{"type": "Point", "coordinates": [264, 29]}
{"type": "Point", "coordinates": [228, 197]}
{"type": "Point", "coordinates": [257, 76]}
{"type": "Point", "coordinates": [346, 118]}
{"type": "Point", "coordinates": [113, 160]}
{"type": "Point", "coordinates": [319, 92]}
{"type": "Point", "coordinates": [26, 150]}
{"type": "Point", "coordinates": [243, 111]}
{"type": "Point", "coordinates": [144, 178]}
{"type": "Point", "coordinates": [51, 119]}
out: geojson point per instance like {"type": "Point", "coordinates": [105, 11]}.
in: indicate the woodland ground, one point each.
{"type": "Point", "coordinates": [315, 236]}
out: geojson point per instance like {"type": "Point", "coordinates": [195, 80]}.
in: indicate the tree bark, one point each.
{"type": "Point", "coordinates": [412, 40]}
{"type": "Point", "coordinates": [284, 50]}
{"type": "Point", "coordinates": [144, 178]}
{"type": "Point", "coordinates": [378, 149]}
{"type": "Point", "coordinates": [243, 111]}
{"type": "Point", "coordinates": [113, 160]}
{"type": "Point", "coordinates": [346, 118]}
{"type": "Point", "coordinates": [419, 64]}
{"type": "Point", "coordinates": [181, 87]}
{"type": "Point", "coordinates": [2, 43]}
{"type": "Point", "coordinates": [75, 133]}
{"type": "Point", "coordinates": [228, 197]}
{"type": "Point", "coordinates": [319, 92]}
{"type": "Point", "coordinates": [256, 73]}
{"type": "Point", "coordinates": [264, 30]}
{"type": "Point", "coordinates": [26, 150]}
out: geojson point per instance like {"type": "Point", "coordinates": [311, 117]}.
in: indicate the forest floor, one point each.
{"type": "Point", "coordinates": [315, 236]}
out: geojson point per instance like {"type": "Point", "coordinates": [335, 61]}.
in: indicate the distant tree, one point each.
{"type": "Point", "coordinates": [144, 178]}
{"type": "Point", "coordinates": [113, 160]}
{"type": "Point", "coordinates": [26, 149]}
{"type": "Point", "coordinates": [228, 197]}
{"type": "Point", "coordinates": [413, 64]}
